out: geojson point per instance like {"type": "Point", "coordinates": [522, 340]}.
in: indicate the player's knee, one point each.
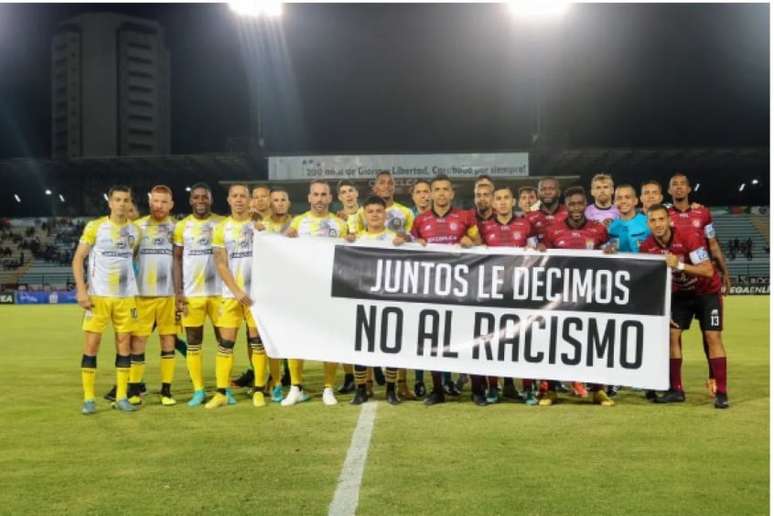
{"type": "Point", "coordinates": [226, 346]}
{"type": "Point", "coordinates": [255, 344]}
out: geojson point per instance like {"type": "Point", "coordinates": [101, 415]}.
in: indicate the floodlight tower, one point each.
{"type": "Point", "coordinates": [536, 15]}
{"type": "Point", "coordinates": [252, 15]}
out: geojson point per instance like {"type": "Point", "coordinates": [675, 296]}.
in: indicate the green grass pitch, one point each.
{"type": "Point", "coordinates": [573, 458]}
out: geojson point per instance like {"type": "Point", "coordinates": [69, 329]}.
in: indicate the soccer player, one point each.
{"type": "Point", "coordinates": [399, 218]}
{"type": "Point", "coordinates": [348, 195]}
{"type": "Point", "coordinates": [650, 195]}
{"type": "Point", "coordinates": [550, 211]}
{"type": "Point", "coordinates": [576, 232]}
{"type": "Point", "coordinates": [109, 243]}
{"type": "Point", "coordinates": [527, 199]}
{"type": "Point", "coordinates": [317, 222]}
{"type": "Point", "coordinates": [155, 301]}
{"type": "Point", "coordinates": [482, 198]}
{"type": "Point", "coordinates": [505, 229]}
{"type": "Point", "coordinates": [279, 222]}
{"type": "Point", "coordinates": [375, 211]}
{"type": "Point", "coordinates": [197, 285]}
{"type": "Point", "coordinates": [232, 243]}
{"type": "Point", "coordinates": [695, 293]}
{"type": "Point", "coordinates": [602, 209]}
{"type": "Point", "coordinates": [420, 196]}
{"type": "Point", "coordinates": [260, 205]}
{"type": "Point", "coordinates": [698, 219]}
{"type": "Point", "coordinates": [444, 224]}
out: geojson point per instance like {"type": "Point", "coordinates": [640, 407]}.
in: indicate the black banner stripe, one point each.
{"type": "Point", "coordinates": [534, 281]}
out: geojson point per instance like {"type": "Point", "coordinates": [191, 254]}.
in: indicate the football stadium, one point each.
{"type": "Point", "coordinates": [287, 258]}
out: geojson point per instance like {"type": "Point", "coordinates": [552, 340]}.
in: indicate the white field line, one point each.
{"type": "Point", "coordinates": [348, 489]}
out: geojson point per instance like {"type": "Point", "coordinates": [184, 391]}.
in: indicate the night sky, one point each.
{"type": "Point", "coordinates": [422, 78]}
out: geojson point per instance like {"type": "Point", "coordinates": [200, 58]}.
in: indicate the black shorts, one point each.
{"type": "Point", "coordinates": [707, 308]}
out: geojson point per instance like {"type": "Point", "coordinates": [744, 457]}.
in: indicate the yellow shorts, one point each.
{"type": "Point", "coordinates": [232, 313]}
{"type": "Point", "coordinates": [198, 310]}
{"type": "Point", "coordinates": [158, 310]}
{"type": "Point", "coordinates": [121, 312]}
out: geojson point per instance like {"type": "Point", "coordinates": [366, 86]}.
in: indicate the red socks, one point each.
{"type": "Point", "coordinates": [718, 366]}
{"type": "Point", "coordinates": [675, 374]}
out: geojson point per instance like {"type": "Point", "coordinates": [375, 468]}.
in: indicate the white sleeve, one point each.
{"type": "Point", "coordinates": [698, 256]}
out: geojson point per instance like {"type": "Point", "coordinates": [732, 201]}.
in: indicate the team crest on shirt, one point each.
{"type": "Point", "coordinates": [328, 228]}
{"type": "Point", "coordinates": [516, 235]}
{"type": "Point", "coordinates": [696, 223]}
{"type": "Point", "coordinates": [394, 223]}
{"type": "Point", "coordinates": [453, 226]}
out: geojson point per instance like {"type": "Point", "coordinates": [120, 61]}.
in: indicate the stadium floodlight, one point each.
{"type": "Point", "coordinates": [256, 8]}
{"type": "Point", "coordinates": [18, 199]}
{"type": "Point", "coordinates": [61, 198]}
{"type": "Point", "coordinates": [741, 187]}
{"type": "Point", "coordinates": [105, 196]}
{"type": "Point", "coordinates": [537, 8]}
{"type": "Point", "coordinates": [48, 192]}
{"type": "Point", "coordinates": [187, 188]}
{"type": "Point", "coordinates": [755, 181]}
{"type": "Point", "coordinates": [696, 188]}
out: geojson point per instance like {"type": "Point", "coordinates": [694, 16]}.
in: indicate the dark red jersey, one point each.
{"type": "Point", "coordinates": [698, 221]}
{"type": "Point", "coordinates": [514, 233]}
{"type": "Point", "coordinates": [592, 235]}
{"type": "Point", "coordinates": [689, 247]}
{"type": "Point", "coordinates": [541, 220]}
{"type": "Point", "coordinates": [447, 229]}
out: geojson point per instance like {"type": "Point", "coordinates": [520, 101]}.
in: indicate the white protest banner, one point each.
{"type": "Point", "coordinates": [563, 315]}
{"type": "Point", "coordinates": [408, 166]}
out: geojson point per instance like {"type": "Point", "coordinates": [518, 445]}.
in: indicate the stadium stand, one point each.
{"type": "Point", "coordinates": [744, 228]}
{"type": "Point", "coordinates": [37, 252]}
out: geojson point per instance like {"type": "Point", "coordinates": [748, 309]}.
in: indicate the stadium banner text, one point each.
{"type": "Point", "coordinates": [408, 166]}
{"type": "Point", "coordinates": [7, 298]}
{"type": "Point", "coordinates": [574, 316]}
{"type": "Point", "coordinates": [56, 297]}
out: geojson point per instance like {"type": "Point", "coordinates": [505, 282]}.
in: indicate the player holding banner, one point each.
{"type": "Point", "coordinates": [317, 222]}
{"type": "Point", "coordinates": [444, 224]}
{"type": "Point", "coordinates": [576, 232]}
{"type": "Point", "coordinates": [695, 294]}
{"type": "Point", "coordinates": [374, 210]}
{"type": "Point", "coordinates": [505, 229]}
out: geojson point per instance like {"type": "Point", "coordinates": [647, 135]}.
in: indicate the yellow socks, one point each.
{"type": "Point", "coordinates": [329, 373]}
{"type": "Point", "coordinates": [275, 364]}
{"type": "Point", "coordinates": [223, 364]}
{"type": "Point", "coordinates": [167, 366]}
{"type": "Point", "coordinates": [193, 359]}
{"type": "Point", "coordinates": [88, 376]}
{"type": "Point", "coordinates": [258, 359]}
{"type": "Point", "coordinates": [122, 375]}
{"type": "Point", "coordinates": [296, 367]}
{"type": "Point", "coordinates": [137, 369]}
